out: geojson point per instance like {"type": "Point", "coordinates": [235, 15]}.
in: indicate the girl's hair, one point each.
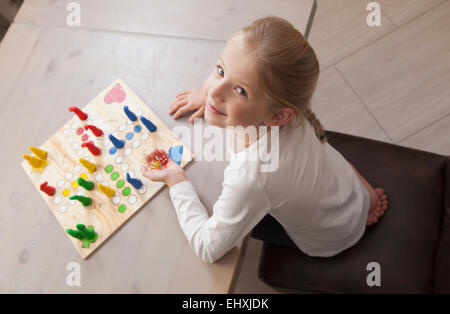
{"type": "Point", "coordinates": [286, 66]}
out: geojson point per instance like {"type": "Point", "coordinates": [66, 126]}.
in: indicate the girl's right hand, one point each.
{"type": "Point", "coordinates": [188, 100]}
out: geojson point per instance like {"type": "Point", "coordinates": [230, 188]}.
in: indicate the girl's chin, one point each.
{"type": "Point", "coordinates": [215, 119]}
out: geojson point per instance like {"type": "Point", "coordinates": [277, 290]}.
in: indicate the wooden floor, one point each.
{"type": "Point", "coordinates": [389, 83]}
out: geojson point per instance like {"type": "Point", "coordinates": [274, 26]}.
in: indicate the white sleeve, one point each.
{"type": "Point", "coordinates": [239, 208]}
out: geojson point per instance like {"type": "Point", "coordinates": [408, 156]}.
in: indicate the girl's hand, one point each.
{"type": "Point", "coordinates": [170, 174]}
{"type": "Point", "coordinates": [188, 100]}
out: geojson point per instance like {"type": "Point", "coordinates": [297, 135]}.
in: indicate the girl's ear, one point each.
{"type": "Point", "coordinates": [281, 116]}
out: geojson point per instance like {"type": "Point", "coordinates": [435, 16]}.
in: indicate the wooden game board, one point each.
{"type": "Point", "coordinates": [63, 169]}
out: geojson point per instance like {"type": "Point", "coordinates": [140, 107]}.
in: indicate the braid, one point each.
{"type": "Point", "coordinates": [320, 132]}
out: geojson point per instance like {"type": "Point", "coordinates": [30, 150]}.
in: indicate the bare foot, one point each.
{"type": "Point", "coordinates": [378, 201]}
{"type": "Point", "coordinates": [378, 205]}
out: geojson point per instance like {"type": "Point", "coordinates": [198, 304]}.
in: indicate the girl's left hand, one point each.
{"type": "Point", "coordinates": [170, 174]}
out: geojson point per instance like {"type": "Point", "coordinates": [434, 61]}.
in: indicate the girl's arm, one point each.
{"type": "Point", "coordinates": [241, 205]}
{"type": "Point", "coordinates": [239, 208]}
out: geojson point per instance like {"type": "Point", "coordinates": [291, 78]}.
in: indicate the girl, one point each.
{"type": "Point", "coordinates": [266, 75]}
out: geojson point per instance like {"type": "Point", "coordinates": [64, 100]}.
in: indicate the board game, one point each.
{"type": "Point", "coordinates": [89, 172]}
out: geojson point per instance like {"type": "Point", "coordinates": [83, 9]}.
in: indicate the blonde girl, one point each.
{"type": "Point", "coordinates": [266, 76]}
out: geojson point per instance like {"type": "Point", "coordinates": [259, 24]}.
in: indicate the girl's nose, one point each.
{"type": "Point", "coordinates": [217, 92]}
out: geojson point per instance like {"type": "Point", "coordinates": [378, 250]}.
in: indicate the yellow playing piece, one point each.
{"type": "Point", "coordinates": [36, 163]}
{"type": "Point", "coordinates": [106, 190]}
{"type": "Point", "coordinates": [155, 164]}
{"type": "Point", "coordinates": [40, 153]}
{"type": "Point", "coordinates": [88, 165]}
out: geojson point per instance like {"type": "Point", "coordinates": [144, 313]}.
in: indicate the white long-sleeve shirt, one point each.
{"type": "Point", "coordinates": [314, 194]}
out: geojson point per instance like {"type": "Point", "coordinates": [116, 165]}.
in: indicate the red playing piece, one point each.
{"type": "Point", "coordinates": [79, 113]}
{"type": "Point", "coordinates": [162, 157]}
{"type": "Point", "coordinates": [164, 160]}
{"type": "Point", "coordinates": [50, 190]}
{"type": "Point", "coordinates": [97, 132]}
{"type": "Point", "coordinates": [92, 148]}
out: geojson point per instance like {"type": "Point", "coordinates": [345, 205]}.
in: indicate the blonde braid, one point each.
{"type": "Point", "coordinates": [315, 122]}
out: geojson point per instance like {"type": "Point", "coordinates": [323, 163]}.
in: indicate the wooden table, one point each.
{"type": "Point", "coordinates": [159, 48]}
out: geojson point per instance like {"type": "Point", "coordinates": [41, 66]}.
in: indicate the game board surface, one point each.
{"type": "Point", "coordinates": [105, 214]}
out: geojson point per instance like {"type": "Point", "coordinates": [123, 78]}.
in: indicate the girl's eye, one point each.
{"type": "Point", "coordinates": [220, 70]}
{"type": "Point", "coordinates": [242, 91]}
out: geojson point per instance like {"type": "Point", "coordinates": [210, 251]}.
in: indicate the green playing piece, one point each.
{"type": "Point", "coordinates": [86, 235]}
{"type": "Point", "coordinates": [109, 168]}
{"type": "Point", "coordinates": [114, 176]}
{"type": "Point", "coordinates": [86, 201]}
{"type": "Point", "coordinates": [120, 183]}
{"type": "Point", "coordinates": [122, 208]}
{"type": "Point", "coordinates": [75, 233]}
{"type": "Point", "coordinates": [88, 185]}
{"type": "Point", "coordinates": [82, 228]}
{"type": "Point", "coordinates": [126, 191]}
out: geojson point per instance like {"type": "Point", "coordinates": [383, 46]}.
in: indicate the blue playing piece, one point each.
{"type": "Point", "coordinates": [116, 142]}
{"type": "Point", "coordinates": [175, 153]}
{"type": "Point", "coordinates": [129, 113]}
{"type": "Point", "coordinates": [134, 182]}
{"type": "Point", "coordinates": [148, 124]}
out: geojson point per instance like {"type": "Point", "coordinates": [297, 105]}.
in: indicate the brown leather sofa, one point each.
{"type": "Point", "coordinates": [411, 242]}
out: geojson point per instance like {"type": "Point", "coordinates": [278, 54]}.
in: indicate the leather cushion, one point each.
{"type": "Point", "coordinates": [404, 242]}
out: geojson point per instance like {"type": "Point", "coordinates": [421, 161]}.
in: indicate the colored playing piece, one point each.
{"type": "Point", "coordinates": [97, 132]}
{"type": "Point", "coordinates": [88, 165]}
{"type": "Point", "coordinates": [106, 190]}
{"type": "Point", "coordinates": [36, 163]}
{"type": "Point", "coordinates": [88, 185]}
{"type": "Point", "coordinates": [122, 208]}
{"type": "Point", "coordinates": [86, 201]}
{"type": "Point", "coordinates": [164, 160]}
{"type": "Point", "coordinates": [50, 190]}
{"type": "Point", "coordinates": [155, 164]}
{"type": "Point", "coordinates": [114, 176]}
{"type": "Point", "coordinates": [136, 183]}
{"type": "Point", "coordinates": [116, 94]}
{"type": "Point", "coordinates": [116, 142]}
{"type": "Point", "coordinates": [129, 114]}
{"type": "Point", "coordinates": [40, 153]}
{"type": "Point", "coordinates": [83, 116]}
{"type": "Point", "coordinates": [86, 235]}
{"type": "Point", "coordinates": [92, 148]}
{"type": "Point", "coordinates": [175, 153]}
{"type": "Point", "coordinates": [148, 124]}
{"type": "Point", "coordinates": [120, 184]}
{"type": "Point", "coordinates": [33, 161]}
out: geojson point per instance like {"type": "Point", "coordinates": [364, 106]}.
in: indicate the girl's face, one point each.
{"type": "Point", "coordinates": [232, 97]}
